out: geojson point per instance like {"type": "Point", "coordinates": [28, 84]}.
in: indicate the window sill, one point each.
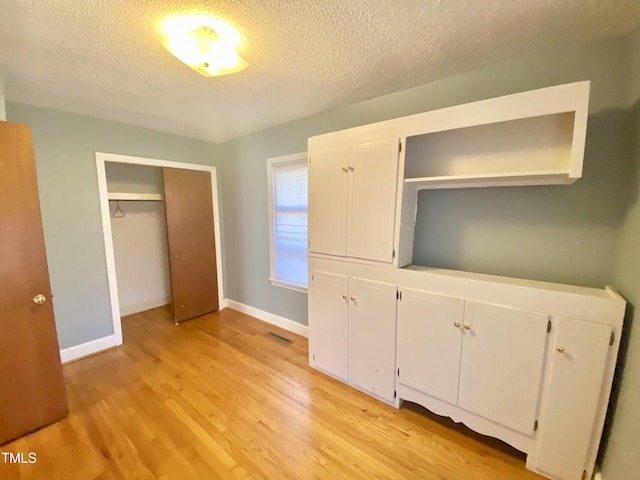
{"type": "Point", "coordinates": [290, 286]}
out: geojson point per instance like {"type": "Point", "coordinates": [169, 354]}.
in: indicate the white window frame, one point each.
{"type": "Point", "coordinates": [293, 158]}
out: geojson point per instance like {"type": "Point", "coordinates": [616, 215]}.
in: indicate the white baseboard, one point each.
{"type": "Point", "coordinates": [276, 320]}
{"type": "Point", "coordinates": [142, 306]}
{"type": "Point", "coordinates": [89, 348]}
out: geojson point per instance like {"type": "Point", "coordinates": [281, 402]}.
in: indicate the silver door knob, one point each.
{"type": "Point", "coordinates": [39, 299]}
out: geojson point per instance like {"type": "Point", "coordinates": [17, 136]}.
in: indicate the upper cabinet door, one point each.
{"type": "Point", "coordinates": [373, 176]}
{"type": "Point", "coordinates": [501, 367]}
{"type": "Point", "coordinates": [328, 184]}
{"type": "Point", "coordinates": [430, 342]}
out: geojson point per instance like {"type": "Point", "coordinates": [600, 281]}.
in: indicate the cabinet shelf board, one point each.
{"type": "Point", "coordinates": [553, 177]}
{"type": "Point", "coordinates": [135, 196]}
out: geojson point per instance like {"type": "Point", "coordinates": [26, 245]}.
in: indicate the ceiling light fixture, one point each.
{"type": "Point", "coordinates": [208, 50]}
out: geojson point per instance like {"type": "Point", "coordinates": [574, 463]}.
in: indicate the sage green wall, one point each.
{"type": "Point", "coordinates": [547, 233]}
{"type": "Point", "coordinates": [65, 147]}
{"type": "Point", "coordinates": [622, 455]}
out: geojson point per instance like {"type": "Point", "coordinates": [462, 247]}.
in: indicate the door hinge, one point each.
{"type": "Point", "coordinates": [548, 326]}
{"type": "Point", "coordinates": [395, 394]}
{"type": "Point", "coordinates": [314, 358]}
{"type": "Point", "coordinates": [398, 372]}
{"type": "Point", "coordinates": [398, 294]}
{"type": "Point", "coordinates": [535, 426]}
{"type": "Point", "coordinates": [313, 277]}
{"type": "Point", "coordinates": [399, 146]}
{"type": "Point", "coordinates": [393, 253]}
{"type": "Point", "coordinates": [612, 338]}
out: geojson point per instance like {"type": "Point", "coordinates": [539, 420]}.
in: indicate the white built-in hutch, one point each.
{"type": "Point", "coordinates": [528, 362]}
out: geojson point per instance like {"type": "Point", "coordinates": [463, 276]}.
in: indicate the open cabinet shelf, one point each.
{"type": "Point", "coordinates": [531, 138]}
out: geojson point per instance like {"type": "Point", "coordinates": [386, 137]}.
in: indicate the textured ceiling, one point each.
{"type": "Point", "coordinates": [103, 58]}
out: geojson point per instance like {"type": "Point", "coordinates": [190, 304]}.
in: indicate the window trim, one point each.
{"type": "Point", "coordinates": [292, 158]}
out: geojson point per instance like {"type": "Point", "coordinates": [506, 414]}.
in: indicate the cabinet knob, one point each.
{"type": "Point", "coordinates": [457, 324]}
{"type": "Point", "coordinates": [467, 326]}
{"type": "Point", "coordinates": [350, 168]}
{"type": "Point", "coordinates": [344, 297]}
{"type": "Point", "coordinates": [353, 299]}
{"type": "Point", "coordinates": [345, 169]}
{"type": "Point", "coordinates": [39, 299]}
{"type": "Point", "coordinates": [560, 349]}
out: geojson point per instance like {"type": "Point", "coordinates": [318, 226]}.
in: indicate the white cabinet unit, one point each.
{"type": "Point", "coordinates": [354, 330]}
{"type": "Point", "coordinates": [329, 319]}
{"type": "Point", "coordinates": [486, 359]}
{"type": "Point", "coordinates": [530, 363]}
{"type": "Point", "coordinates": [352, 195]}
{"type": "Point", "coordinates": [372, 336]}
{"type": "Point", "coordinates": [430, 343]}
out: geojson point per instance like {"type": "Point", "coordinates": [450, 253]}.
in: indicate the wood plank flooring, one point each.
{"type": "Point", "coordinates": [216, 397]}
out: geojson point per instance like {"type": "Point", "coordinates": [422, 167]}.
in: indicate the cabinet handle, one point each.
{"type": "Point", "coordinates": [467, 326]}
{"type": "Point", "coordinates": [344, 297]}
{"type": "Point", "coordinates": [350, 168]}
{"type": "Point", "coordinates": [560, 349]}
{"type": "Point", "coordinates": [345, 169]}
{"type": "Point", "coordinates": [457, 324]}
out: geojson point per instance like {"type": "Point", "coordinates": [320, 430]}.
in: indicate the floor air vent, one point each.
{"type": "Point", "coordinates": [280, 337]}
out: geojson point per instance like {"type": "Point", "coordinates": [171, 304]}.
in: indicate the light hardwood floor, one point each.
{"type": "Point", "coordinates": [216, 397]}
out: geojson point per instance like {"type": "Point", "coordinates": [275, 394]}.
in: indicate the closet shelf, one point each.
{"type": "Point", "coordinates": [134, 196]}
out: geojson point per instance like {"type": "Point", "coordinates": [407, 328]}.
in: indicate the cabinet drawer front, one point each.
{"type": "Point", "coordinates": [577, 367]}
{"type": "Point", "coordinates": [502, 362]}
{"type": "Point", "coordinates": [329, 323]}
{"type": "Point", "coordinates": [430, 343]}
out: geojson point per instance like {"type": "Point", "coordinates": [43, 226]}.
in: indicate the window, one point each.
{"type": "Point", "coordinates": [287, 180]}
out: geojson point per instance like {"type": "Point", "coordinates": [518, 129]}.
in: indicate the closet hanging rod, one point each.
{"type": "Point", "coordinates": [135, 196]}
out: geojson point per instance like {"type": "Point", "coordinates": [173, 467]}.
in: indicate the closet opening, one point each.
{"type": "Point", "coordinates": [162, 236]}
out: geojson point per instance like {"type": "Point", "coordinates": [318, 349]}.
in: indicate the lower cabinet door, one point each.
{"type": "Point", "coordinates": [430, 342]}
{"type": "Point", "coordinates": [501, 366]}
{"type": "Point", "coordinates": [577, 367]}
{"type": "Point", "coordinates": [329, 321]}
{"type": "Point", "coordinates": [373, 336]}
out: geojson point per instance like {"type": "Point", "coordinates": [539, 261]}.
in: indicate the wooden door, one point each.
{"type": "Point", "coordinates": [577, 367]}
{"type": "Point", "coordinates": [373, 177]}
{"type": "Point", "coordinates": [327, 208]}
{"type": "Point", "coordinates": [430, 343]}
{"type": "Point", "coordinates": [329, 323]}
{"type": "Point", "coordinates": [191, 242]}
{"type": "Point", "coordinates": [32, 392]}
{"type": "Point", "coordinates": [372, 321]}
{"type": "Point", "coordinates": [501, 366]}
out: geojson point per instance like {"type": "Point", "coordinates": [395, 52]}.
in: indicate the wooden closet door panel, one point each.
{"type": "Point", "coordinates": [32, 392]}
{"type": "Point", "coordinates": [191, 242]}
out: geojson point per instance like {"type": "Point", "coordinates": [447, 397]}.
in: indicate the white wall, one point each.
{"type": "Point", "coordinates": [139, 239]}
